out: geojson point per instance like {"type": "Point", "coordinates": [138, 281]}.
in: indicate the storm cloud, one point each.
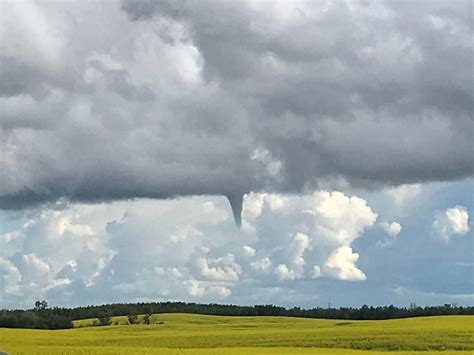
{"type": "Point", "coordinates": [105, 101]}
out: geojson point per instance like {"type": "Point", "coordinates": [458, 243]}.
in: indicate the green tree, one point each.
{"type": "Point", "coordinates": [132, 319]}
{"type": "Point", "coordinates": [104, 318]}
{"type": "Point", "coordinates": [41, 305]}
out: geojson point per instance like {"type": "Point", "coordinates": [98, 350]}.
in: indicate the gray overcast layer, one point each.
{"type": "Point", "coordinates": [106, 100]}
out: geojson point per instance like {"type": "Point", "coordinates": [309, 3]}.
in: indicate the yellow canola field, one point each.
{"type": "Point", "coordinates": [191, 334]}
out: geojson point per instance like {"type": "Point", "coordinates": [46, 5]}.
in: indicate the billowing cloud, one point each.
{"type": "Point", "coordinates": [104, 102]}
{"type": "Point", "coordinates": [404, 193]}
{"type": "Point", "coordinates": [342, 263]}
{"type": "Point", "coordinates": [392, 229]}
{"type": "Point", "coordinates": [219, 269]}
{"type": "Point", "coordinates": [249, 251]}
{"type": "Point", "coordinates": [196, 289]}
{"type": "Point", "coordinates": [11, 278]}
{"type": "Point", "coordinates": [108, 101]}
{"type": "Point", "coordinates": [182, 248]}
{"type": "Point", "coordinates": [454, 221]}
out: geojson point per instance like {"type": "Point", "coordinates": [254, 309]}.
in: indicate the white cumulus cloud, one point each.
{"type": "Point", "coordinates": [342, 264]}
{"type": "Point", "coordinates": [454, 221]}
{"type": "Point", "coordinates": [183, 248]}
{"type": "Point", "coordinates": [392, 229]}
{"type": "Point", "coordinates": [403, 194]}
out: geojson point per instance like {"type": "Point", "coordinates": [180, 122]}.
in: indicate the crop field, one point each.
{"type": "Point", "coordinates": [197, 334]}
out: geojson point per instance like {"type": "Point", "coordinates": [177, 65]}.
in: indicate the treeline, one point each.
{"type": "Point", "coordinates": [58, 318]}
{"type": "Point", "coordinates": [41, 317]}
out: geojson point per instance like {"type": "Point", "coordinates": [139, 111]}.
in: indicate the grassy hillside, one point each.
{"type": "Point", "coordinates": [197, 334]}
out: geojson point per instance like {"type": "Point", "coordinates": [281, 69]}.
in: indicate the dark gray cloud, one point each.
{"type": "Point", "coordinates": [159, 98]}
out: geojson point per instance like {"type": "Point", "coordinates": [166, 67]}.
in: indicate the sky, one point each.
{"type": "Point", "coordinates": [245, 152]}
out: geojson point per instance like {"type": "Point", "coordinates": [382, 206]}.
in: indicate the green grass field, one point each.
{"type": "Point", "coordinates": [197, 334]}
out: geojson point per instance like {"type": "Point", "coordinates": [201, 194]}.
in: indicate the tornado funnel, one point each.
{"type": "Point", "coordinates": [236, 201]}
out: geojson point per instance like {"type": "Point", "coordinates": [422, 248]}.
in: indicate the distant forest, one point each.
{"type": "Point", "coordinates": [44, 317]}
